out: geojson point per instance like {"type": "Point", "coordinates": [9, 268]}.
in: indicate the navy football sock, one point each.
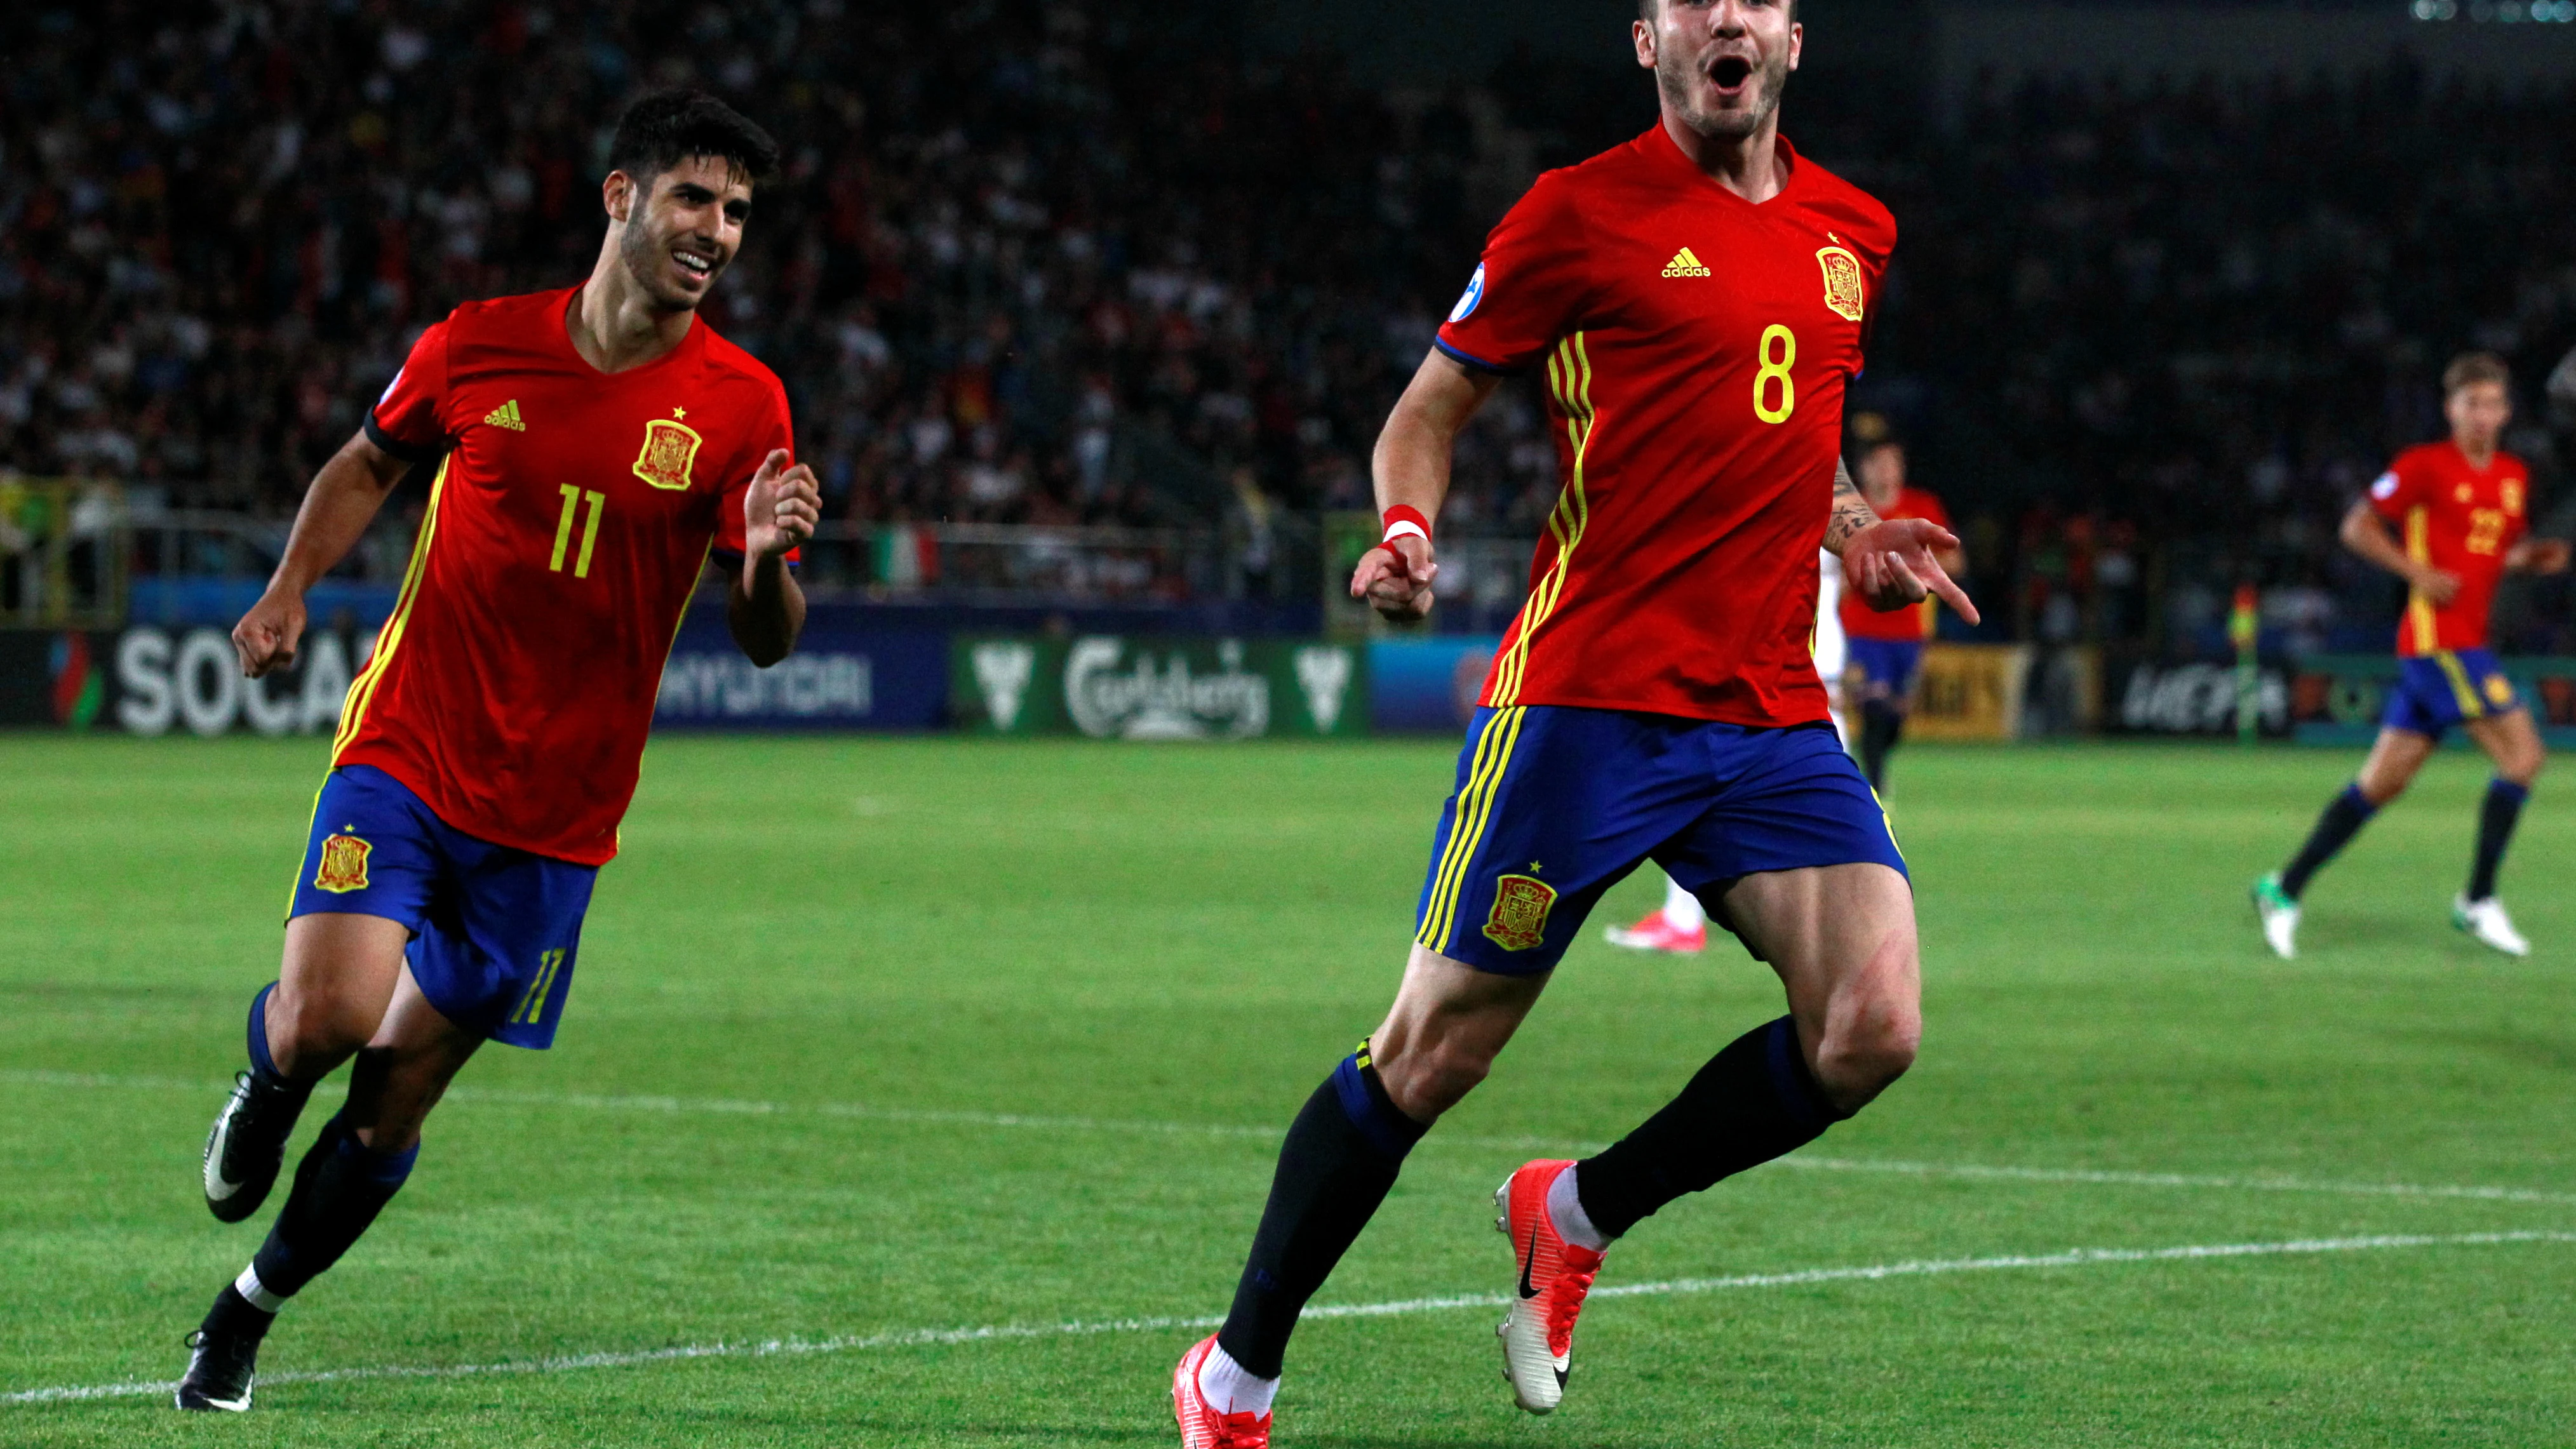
{"type": "Point", "coordinates": [340, 1186]}
{"type": "Point", "coordinates": [1341, 1157]}
{"type": "Point", "coordinates": [2496, 818]}
{"type": "Point", "coordinates": [1880, 725]}
{"type": "Point", "coordinates": [2335, 828]}
{"type": "Point", "coordinates": [1754, 1101]}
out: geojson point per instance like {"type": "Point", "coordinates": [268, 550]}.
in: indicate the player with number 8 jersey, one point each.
{"type": "Point", "coordinates": [1695, 349]}
{"type": "Point", "coordinates": [1694, 304]}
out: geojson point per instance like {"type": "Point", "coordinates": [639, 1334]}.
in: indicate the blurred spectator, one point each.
{"type": "Point", "coordinates": [1020, 246]}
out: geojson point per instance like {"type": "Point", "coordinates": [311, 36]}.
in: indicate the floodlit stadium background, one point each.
{"type": "Point", "coordinates": [1090, 312]}
{"type": "Point", "coordinates": [920, 1088]}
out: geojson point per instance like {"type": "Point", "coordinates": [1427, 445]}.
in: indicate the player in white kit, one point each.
{"type": "Point", "coordinates": [1681, 924]}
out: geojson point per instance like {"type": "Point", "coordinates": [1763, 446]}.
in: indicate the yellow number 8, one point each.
{"type": "Point", "coordinates": [1776, 372]}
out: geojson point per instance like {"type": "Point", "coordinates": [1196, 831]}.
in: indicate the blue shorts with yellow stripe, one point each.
{"type": "Point", "coordinates": [2436, 691]}
{"type": "Point", "coordinates": [1555, 804]}
{"type": "Point", "coordinates": [494, 931]}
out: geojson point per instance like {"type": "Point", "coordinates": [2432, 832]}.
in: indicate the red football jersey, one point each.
{"type": "Point", "coordinates": [2461, 519]}
{"type": "Point", "coordinates": [1697, 349]}
{"type": "Point", "coordinates": [1860, 621]}
{"type": "Point", "coordinates": [572, 515]}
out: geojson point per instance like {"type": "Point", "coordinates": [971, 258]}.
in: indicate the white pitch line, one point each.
{"type": "Point", "coordinates": [860, 1111]}
{"type": "Point", "coordinates": [1005, 1332]}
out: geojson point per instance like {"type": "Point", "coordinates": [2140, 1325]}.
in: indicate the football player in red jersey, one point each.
{"type": "Point", "coordinates": [2464, 506]}
{"type": "Point", "coordinates": [594, 446]}
{"type": "Point", "coordinates": [1696, 299]}
{"type": "Point", "coordinates": [1887, 648]}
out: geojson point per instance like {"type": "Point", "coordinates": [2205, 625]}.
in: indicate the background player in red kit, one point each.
{"type": "Point", "coordinates": [1886, 649]}
{"type": "Point", "coordinates": [594, 447]}
{"type": "Point", "coordinates": [1697, 299]}
{"type": "Point", "coordinates": [2462, 507]}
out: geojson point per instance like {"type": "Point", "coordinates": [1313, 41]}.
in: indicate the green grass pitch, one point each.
{"type": "Point", "coordinates": [877, 1037]}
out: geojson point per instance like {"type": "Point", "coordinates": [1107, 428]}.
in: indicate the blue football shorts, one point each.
{"type": "Point", "coordinates": [494, 931]}
{"type": "Point", "coordinates": [1554, 805]}
{"type": "Point", "coordinates": [2436, 691]}
{"type": "Point", "coordinates": [1887, 666]}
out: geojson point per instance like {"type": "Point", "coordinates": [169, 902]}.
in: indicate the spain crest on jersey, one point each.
{"type": "Point", "coordinates": [344, 865]}
{"type": "Point", "coordinates": [1843, 289]}
{"type": "Point", "coordinates": [1519, 919]}
{"type": "Point", "coordinates": [670, 449]}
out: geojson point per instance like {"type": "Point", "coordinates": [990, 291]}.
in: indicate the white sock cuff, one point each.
{"type": "Point", "coordinates": [1682, 909]}
{"type": "Point", "coordinates": [249, 1286]}
{"type": "Point", "coordinates": [1565, 1213]}
{"type": "Point", "coordinates": [1229, 1388]}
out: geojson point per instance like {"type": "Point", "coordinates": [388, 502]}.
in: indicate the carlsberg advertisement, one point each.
{"type": "Point", "coordinates": [1157, 688]}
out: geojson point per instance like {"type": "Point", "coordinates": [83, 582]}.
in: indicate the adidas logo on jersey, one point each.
{"type": "Point", "coordinates": [1684, 264]}
{"type": "Point", "coordinates": [505, 416]}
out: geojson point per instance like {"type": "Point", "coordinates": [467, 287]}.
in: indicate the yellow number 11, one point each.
{"type": "Point", "coordinates": [589, 531]}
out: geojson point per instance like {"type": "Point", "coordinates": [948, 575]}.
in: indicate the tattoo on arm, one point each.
{"type": "Point", "coordinates": [1852, 512]}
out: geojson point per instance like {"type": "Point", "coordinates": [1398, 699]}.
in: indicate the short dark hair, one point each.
{"type": "Point", "coordinates": [665, 128]}
{"type": "Point", "coordinates": [2471, 368]}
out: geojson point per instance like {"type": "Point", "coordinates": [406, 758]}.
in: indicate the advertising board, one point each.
{"type": "Point", "coordinates": [1158, 687]}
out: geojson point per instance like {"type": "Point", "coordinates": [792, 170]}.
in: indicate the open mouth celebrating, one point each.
{"type": "Point", "coordinates": [1730, 73]}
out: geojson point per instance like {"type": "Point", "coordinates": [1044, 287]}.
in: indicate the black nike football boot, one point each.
{"type": "Point", "coordinates": [248, 1143]}
{"type": "Point", "coordinates": [224, 1354]}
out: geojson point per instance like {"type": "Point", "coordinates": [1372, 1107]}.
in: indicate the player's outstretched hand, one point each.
{"type": "Point", "coordinates": [267, 636]}
{"type": "Point", "coordinates": [781, 507]}
{"type": "Point", "coordinates": [2541, 556]}
{"type": "Point", "coordinates": [1396, 578]}
{"type": "Point", "coordinates": [1894, 563]}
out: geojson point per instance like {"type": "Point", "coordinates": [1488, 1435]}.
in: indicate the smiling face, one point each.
{"type": "Point", "coordinates": [1721, 64]}
{"type": "Point", "coordinates": [678, 237]}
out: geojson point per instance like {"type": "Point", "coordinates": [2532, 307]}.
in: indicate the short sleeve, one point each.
{"type": "Point", "coordinates": [772, 432]}
{"type": "Point", "coordinates": [408, 421]}
{"type": "Point", "coordinates": [2399, 489]}
{"type": "Point", "coordinates": [1529, 287]}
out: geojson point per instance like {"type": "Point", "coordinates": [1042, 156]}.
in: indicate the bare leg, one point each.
{"type": "Point", "coordinates": [1841, 938]}
{"type": "Point", "coordinates": [2513, 743]}
{"type": "Point", "coordinates": [337, 980]}
{"type": "Point", "coordinates": [365, 1153]}
{"type": "Point", "coordinates": [404, 1070]}
{"type": "Point", "coordinates": [2394, 758]}
{"type": "Point", "coordinates": [1448, 1023]}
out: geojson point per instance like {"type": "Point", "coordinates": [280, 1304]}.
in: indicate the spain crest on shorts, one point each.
{"type": "Point", "coordinates": [344, 865]}
{"type": "Point", "coordinates": [670, 449]}
{"type": "Point", "coordinates": [1843, 288]}
{"type": "Point", "coordinates": [1519, 919]}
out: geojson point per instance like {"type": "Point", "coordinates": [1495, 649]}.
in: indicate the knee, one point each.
{"type": "Point", "coordinates": [1859, 1059]}
{"type": "Point", "coordinates": [308, 1022]}
{"type": "Point", "coordinates": [2525, 768]}
{"type": "Point", "coordinates": [1426, 1079]}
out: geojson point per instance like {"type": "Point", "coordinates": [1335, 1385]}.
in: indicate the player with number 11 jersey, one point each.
{"type": "Point", "coordinates": [571, 516]}
{"type": "Point", "coordinates": [593, 445]}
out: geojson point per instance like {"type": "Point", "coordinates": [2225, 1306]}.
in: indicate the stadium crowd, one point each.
{"type": "Point", "coordinates": [1013, 238]}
